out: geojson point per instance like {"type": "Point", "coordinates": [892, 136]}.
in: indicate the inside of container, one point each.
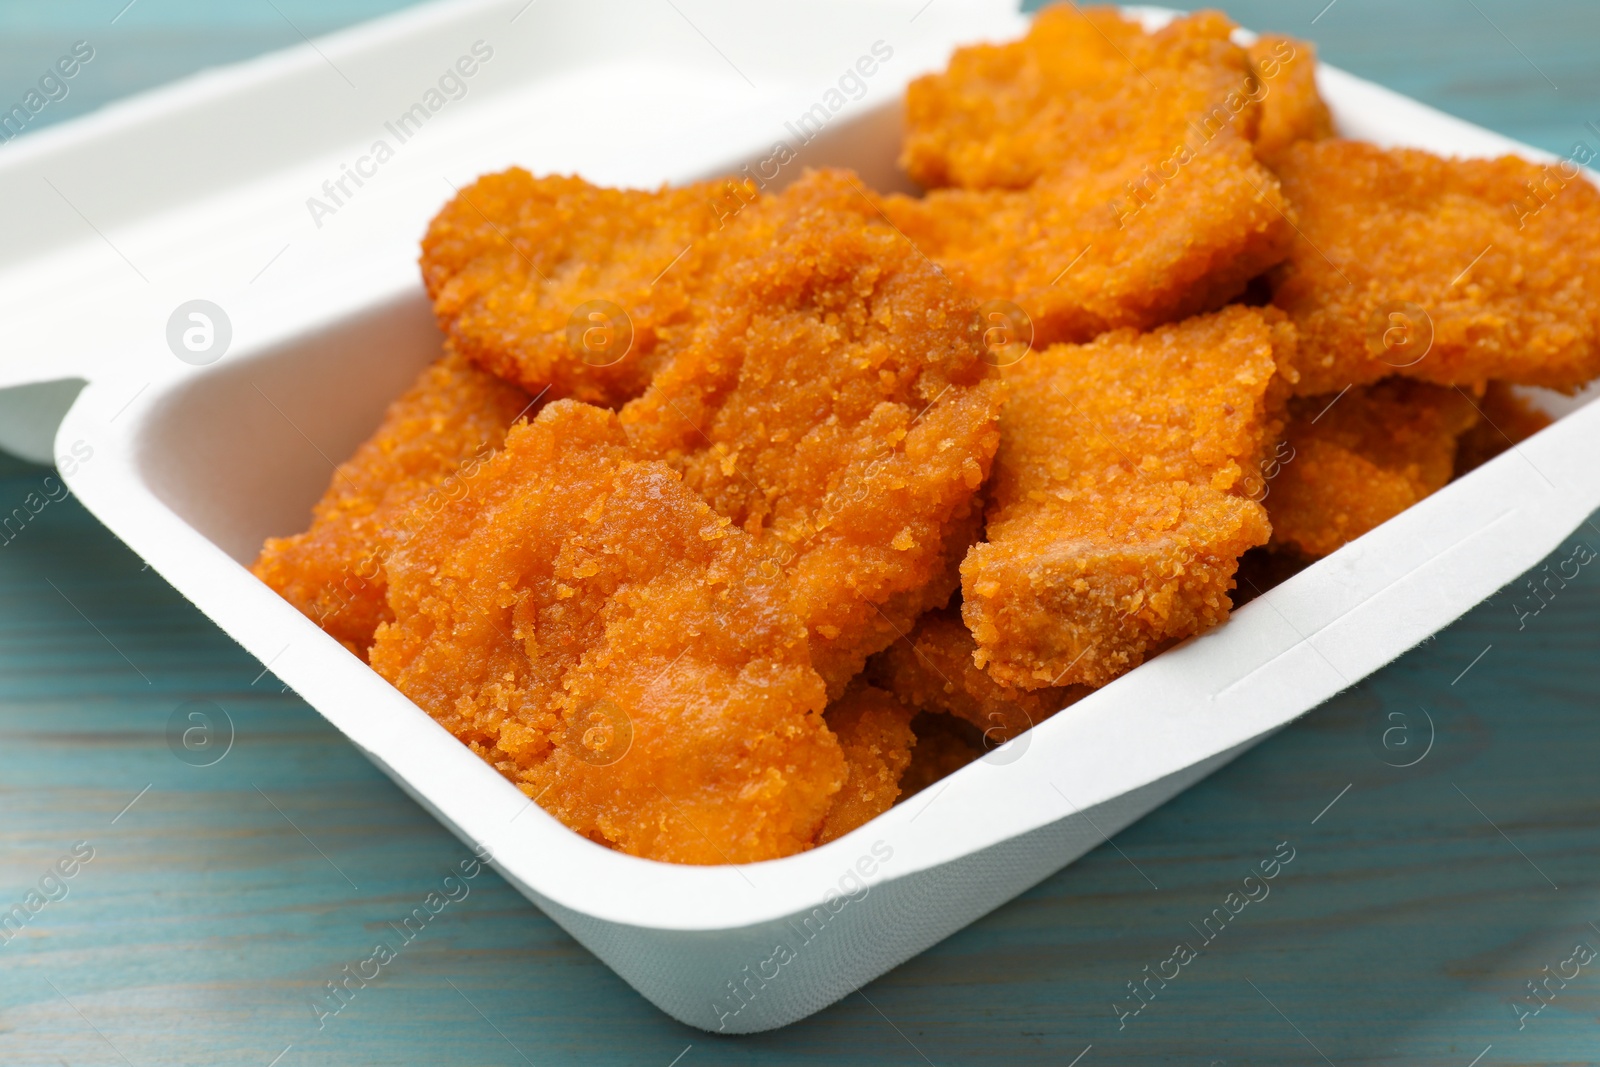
{"type": "Point", "coordinates": [242, 450]}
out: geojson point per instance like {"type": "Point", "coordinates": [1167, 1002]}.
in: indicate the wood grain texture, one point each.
{"type": "Point", "coordinates": [1415, 911]}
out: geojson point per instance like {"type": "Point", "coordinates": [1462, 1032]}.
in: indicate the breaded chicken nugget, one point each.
{"type": "Point", "coordinates": [874, 729]}
{"type": "Point", "coordinates": [553, 282]}
{"type": "Point", "coordinates": [1104, 177]}
{"type": "Point", "coordinates": [592, 629]}
{"type": "Point", "coordinates": [835, 405]}
{"type": "Point", "coordinates": [430, 445]}
{"type": "Point", "coordinates": [1083, 92]}
{"type": "Point", "coordinates": [1454, 271]}
{"type": "Point", "coordinates": [933, 670]}
{"type": "Point", "coordinates": [1085, 254]}
{"type": "Point", "coordinates": [1119, 504]}
{"type": "Point", "coordinates": [1292, 108]}
{"type": "Point", "coordinates": [1359, 460]}
{"type": "Point", "coordinates": [1507, 420]}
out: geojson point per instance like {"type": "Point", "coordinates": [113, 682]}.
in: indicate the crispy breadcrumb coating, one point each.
{"type": "Point", "coordinates": [933, 670]}
{"type": "Point", "coordinates": [1101, 176]}
{"type": "Point", "coordinates": [1361, 459]}
{"type": "Point", "coordinates": [874, 730]}
{"type": "Point", "coordinates": [592, 629]}
{"type": "Point", "coordinates": [1083, 92]}
{"type": "Point", "coordinates": [1119, 505]}
{"type": "Point", "coordinates": [1292, 108]}
{"type": "Point", "coordinates": [1508, 420]}
{"type": "Point", "coordinates": [1084, 254]}
{"type": "Point", "coordinates": [512, 259]}
{"type": "Point", "coordinates": [429, 445]}
{"type": "Point", "coordinates": [1402, 248]}
{"type": "Point", "coordinates": [835, 405]}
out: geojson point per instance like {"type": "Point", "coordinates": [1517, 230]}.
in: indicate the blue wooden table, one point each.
{"type": "Point", "coordinates": [1427, 913]}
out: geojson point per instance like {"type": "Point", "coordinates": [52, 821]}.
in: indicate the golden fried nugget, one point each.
{"type": "Point", "coordinates": [1454, 271]}
{"type": "Point", "coordinates": [527, 275]}
{"type": "Point", "coordinates": [1362, 459]}
{"type": "Point", "coordinates": [1508, 420]}
{"type": "Point", "coordinates": [1083, 92]}
{"type": "Point", "coordinates": [1119, 504]}
{"type": "Point", "coordinates": [945, 744]}
{"type": "Point", "coordinates": [874, 729]}
{"type": "Point", "coordinates": [1292, 108]}
{"type": "Point", "coordinates": [933, 670]}
{"type": "Point", "coordinates": [834, 404]}
{"type": "Point", "coordinates": [430, 445]}
{"type": "Point", "coordinates": [592, 629]}
{"type": "Point", "coordinates": [1085, 254]}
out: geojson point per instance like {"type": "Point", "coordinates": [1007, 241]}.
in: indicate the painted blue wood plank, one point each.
{"type": "Point", "coordinates": [147, 43]}
{"type": "Point", "coordinates": [1416, 910]}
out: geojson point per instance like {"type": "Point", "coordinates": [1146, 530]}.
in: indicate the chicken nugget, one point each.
{"type": "Point", "coordinates": [874, 729]}
{"type": "Point", "coordinates": [429, 445]}
{"type": "Point", "coordinates": [1081, 93]}
{"type": "Point", "coordinates": [556, 283]}
{"type": "Point", "coordinates": [1360, 459]}
{"type": "Point", "coordinates": [1453, 271]}
{"type": "Point", "coordinates": [1292, 108]}
{"type": "Point", "coordinates": [1120, 500]}
{"type": "Point", "coordinates": [1508, 419]}
{"type": "Point", "coordinates": [933, 670]}
{"type": "Point", "coordinates": [1082, 255]}
{"type": "Point", "coordinates": [593, 630]}
{"type": "Point", "coordinates": [836, 405]}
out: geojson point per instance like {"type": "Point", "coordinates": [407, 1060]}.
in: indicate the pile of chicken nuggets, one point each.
{"type": "Point", "coordinates": [732, 516]}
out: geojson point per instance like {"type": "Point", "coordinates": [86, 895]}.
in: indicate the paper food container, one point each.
{"type": "Point", "coordinates": [200, 192]}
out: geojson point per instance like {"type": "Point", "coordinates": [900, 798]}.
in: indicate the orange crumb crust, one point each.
{"type": "Point", "coordinates": [933, 670]}
{"type": "Point", "coordinates": [1082, 255]}
{"type": "Point", "coordinates": [512, 257]}
{"type": "Point", "coordinates": [874, 730]}
{"type": "Point", "coordinates": [1501, 277]}
{"type": "Point", "coordinates": [429, 446]}
{"type": "Point", "coordinates": [834, 405]}
{"type": "Point", "coordinates": [589, 626]}
{"type": "Point", "coordinates": [1292, 108]}
{"type": "Point", "coordinates": [1360, 459]}
{"type": "Point", "coordinates": [1120, 501]}
{"type": "Point", "coordinates": [1096, 175]}
{"type": "Point", "coordinates": [1085, 90]}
